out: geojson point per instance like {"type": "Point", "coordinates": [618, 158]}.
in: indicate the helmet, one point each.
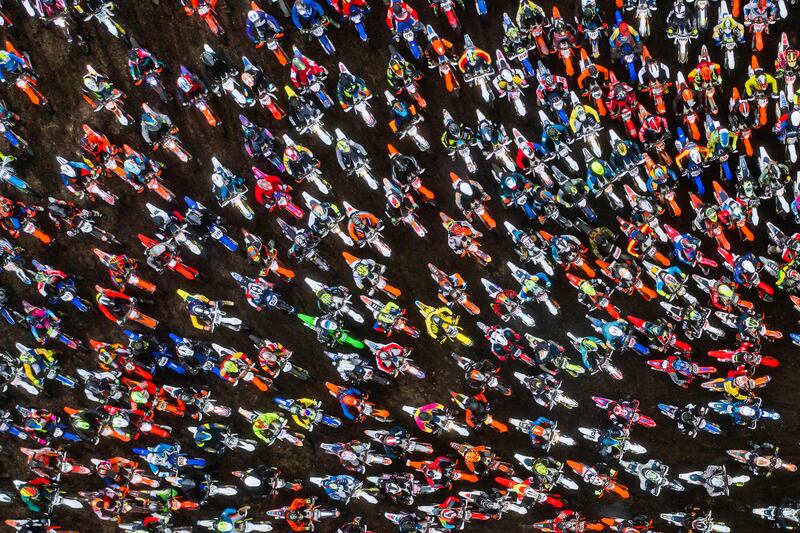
{"type": "Point", "coordinates": [724, 137]}
{"type": "Point", "coordinates": [67, 171]}
{"type": "Point", "coordinates": [301, 8]}
{"type": "Point", "coordinates": [150, 121]}
{"type": "Point", "coordinates": [139, 396]}
{"type": "Point", "coordinates": [185, 83]}
{"type": "Point", "coordinates": [183, 349]}
{"type": "Point", "coordinates": [318, 209]}
{"type": "Point", "coordinates": [291, 153]}
{"type": "Point", "coordinates": [624, 30]}
{"type": "Point", "coordinates": [507, 76]}
{"type": "Point", "coordinates": [725, 290]}
{"type": "Point", "coordinates": [654, 329]}
{"type": "Point", "coordinates": [653, 123]}
{"type": "Point", "coordinates": [396, 65]}
{"type": "Point", "coordinates": [223, 526]}
{"type": "Point", "coordinates": [348, 456]}
{"type": "Point", "coordinates": [790, 56]}
{"type": "Point", "coordinates": [794, 118]}
{"type": "Point", "coordinates": [619, 92]}
{"type": "Point", "coordinates": [397, 9]}
{"type": "Point", "coordinates": [453, 129]}
{"type": "Point", "coordinates": [349, 400]}
{"type": "Point", "coordinates": [393, 200]}
{"type": "Point", "coordinates": [512, 33]}
{"type": "Point", "coordinates": [688, 96]}
{"type": "Point", "coordinates": [597, 168]}
{"type": "Point", "coordinates": [749, 267]}
{"type": "Point", "coordinates": [29, 491]}
{"type": "Point", "coordinates": [90, 83]}
{"type": "Point", "coordinates": [229, 367]}
{"type": "Point", "coordinates": [615, 331]}
{"type": "Point", "coordinates": [465, 188]}
{"type": "Point", "coordinates": [298, 63]}
{"type": "Point", "coordinates": [727, 23]}
{"type": "Point", "coordinates": [252, 16]}
{"type": "Point", "coordinates": [103, 469]}
{"type": "Point", "coordinates": [622, 148]}
{"type": "Point", "coordinates": [589, 344]}
{"type": "Point", "coordinates": [362, 269]}
{"type": "Point", "coordinates": [510, 181]}
{"type": "Point", "coordinates": [218, 180]}
{"type": "Point", "coordinates": [400, 109]}
{"type": "Point", "coordinates": [343, 145]}
{"type": "Point", "coordinates": [680, 9]}
{"type": "Point", "coordinates": [209, 57]}
{"type": "Point", "coordinates": [132, 166]}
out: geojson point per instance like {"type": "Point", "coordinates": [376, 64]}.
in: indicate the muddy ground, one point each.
{"type": "Point", "coordinates": [177, 39]}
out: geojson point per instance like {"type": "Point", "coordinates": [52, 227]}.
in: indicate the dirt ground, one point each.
{"type": "Point", "coordinates": [176, 39]}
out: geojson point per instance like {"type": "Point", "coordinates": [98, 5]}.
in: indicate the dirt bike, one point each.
{"type": "Point", "coordinates": [554, 394]}
{"type": "Point", "coordinates": [627, 446]}
{"type": "Point", "coordinates": [279, 433]}
{"type": "Point", "coordinates": [445, 422]}
{"type": "Point", "coordinates": [26, 81]}
{"type": "Point", "coordinates": [366, 408]}
{"type": "Point", "coordinates": [547, 436]}
{"type": "Point", "coordinates": [129, 277]}
{"type": "Point", "coordinates": [408, 444]}
{"type": "Point", "coordinates": [489, 380]}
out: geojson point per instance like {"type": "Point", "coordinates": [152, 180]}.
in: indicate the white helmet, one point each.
{"type": "Point", "coordinates": [217, 179]}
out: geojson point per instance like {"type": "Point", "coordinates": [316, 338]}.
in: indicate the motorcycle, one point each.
{"type": "Point", "coordinates": [549, 435]}
{"type": "Point", "coordinates": [198, 215]}
{"type": "Point", "coordinates": [318, 32]}
{"type": "Point", "coordinates": [703, 523]}
{"type": "Point", "coordinates": [627, 445]}
{"type": "Point", "coordinates": [207, 11]}
{"type": "Point", "coordinates": [554, 395]}
{"type": "Point", "coordinates": [367, 408]}
{"type": "Point", "coordinates": [555, 476]}
{"type": "Point", "coordinates": [390, 440]}
{"type": "Point", "coordinates": [26, 81]}
{"type": "Point", "coordinates": [175, 227]}
{"type": "Point", "coordinates": [705, 425]}
{"type": "Point", "coordinates": [446, 422]}
{"type": "Point", "coordinates": [217, 317]}
{"type": "Point", "coordinates": [373, 236]}
{"type": "Point", "coordinates": [493, 291]}
{"type": "Point", "coordinates": [105, 17]}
